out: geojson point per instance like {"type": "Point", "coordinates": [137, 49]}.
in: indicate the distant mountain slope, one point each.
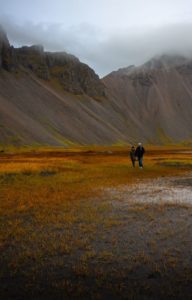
{"type": "Point", "coordinates": [157, 95]}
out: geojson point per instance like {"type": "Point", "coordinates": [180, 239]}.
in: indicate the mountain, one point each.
{"type": "Point", "coordinates": [64, 68]}
{"type": "Point", "coordinates": [156, 97]}
{"type": "Point", "coordinates": [54, 99]}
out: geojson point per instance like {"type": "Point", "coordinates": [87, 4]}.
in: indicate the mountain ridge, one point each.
{"type": "Point", "coordinates": [54, 99]}
{"type": "Point", "coordinates": [61, 66]}
{"type": "Point", "coordinates": [159, 95]}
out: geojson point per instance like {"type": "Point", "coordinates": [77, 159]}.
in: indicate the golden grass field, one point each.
{"type": "Point", "coordinates": [64, 236]}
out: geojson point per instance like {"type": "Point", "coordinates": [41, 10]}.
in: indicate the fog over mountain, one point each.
{"type": "Point", "coordinates": [106, 35]}
{"type": "Point", "coordinates": [54, 99]}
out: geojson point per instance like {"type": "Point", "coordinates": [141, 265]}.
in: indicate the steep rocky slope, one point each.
{"type": "Point", "coordinates": [156, 97]}
{"type": "Point", "coordinates": [51, 98]}
{"type": "Point", "coordinates": [65, 69]}
{"type": "Point", "coordinates": [32, 112]}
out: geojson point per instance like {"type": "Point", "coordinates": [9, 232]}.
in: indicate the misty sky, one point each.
{"type": "Point", "coordinates": [105, 34]}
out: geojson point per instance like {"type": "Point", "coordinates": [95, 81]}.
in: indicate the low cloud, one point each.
{"type": "Point", "coordinates": [104, 51]}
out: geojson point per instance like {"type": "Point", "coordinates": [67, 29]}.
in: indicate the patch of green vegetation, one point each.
{"type": "Point", "coordinates": [120, 143]}
{"type": "Point", "coordinates": [186, 143]}
{"type": "Point", "coordinates": [176, 164]}
{"type": "Point", "coordinates": [16, 139]}
{"type": "Point", "coordinates": [165, 139]}
{"type": "Point", "coordinates": [99, 98]}
{"type": "Point", "coordinates": [57, 71]}
{"type": "Point", "coordinates": [57, 135]}
{"type": "Point", "coordinates": [61, 139]}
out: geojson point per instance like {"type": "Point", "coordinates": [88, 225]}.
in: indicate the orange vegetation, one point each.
{"type": "Point", "coordinates": [53, 212]}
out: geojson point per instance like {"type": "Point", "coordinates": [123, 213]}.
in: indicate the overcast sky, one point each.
{"type": "Point", "coordinates": [106, 34]}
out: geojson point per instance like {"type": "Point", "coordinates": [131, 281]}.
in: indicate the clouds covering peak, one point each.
{"type": "Point", "coordinates": [114, 34]}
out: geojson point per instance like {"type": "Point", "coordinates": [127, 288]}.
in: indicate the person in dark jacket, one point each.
{"type": "Point", "coordinates": [132, 155]}
{"type": "Point", "coordinates": [139, 152]}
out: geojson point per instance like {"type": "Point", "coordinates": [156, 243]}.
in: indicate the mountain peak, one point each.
{"type": "Point", "coordinates": [165, 61]}
{"type": "Point", "coordinates": [5, 49]}
{"type": "Point", "coordinates": [122, 71]}
{"type": "Point", "coordinates": [160, 62]}
{"type": "Point", "coordinates": [36, 49]}
{"type": "Point", "coordinates": [70, 74]}
{"type": "Point", "coordinates": [4, 42]}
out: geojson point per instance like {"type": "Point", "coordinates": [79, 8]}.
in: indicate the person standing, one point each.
{"type": "Point", "coordinates": [132, 155]}
{"type": "Point", "coordinates": [139, 152]}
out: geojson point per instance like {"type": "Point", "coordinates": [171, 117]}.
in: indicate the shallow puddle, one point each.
{"type": "Point", "coordinates": [176, 190]}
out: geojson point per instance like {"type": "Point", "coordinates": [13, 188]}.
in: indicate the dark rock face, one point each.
{"type": "Point", "coordinates": [5, 51]}
{"type": "Point", "coordinates": [142, 79]}
{"type": "Point", "coordinates": [73, 76]}
{"type": "Point", "coordinates": [32, 58]}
